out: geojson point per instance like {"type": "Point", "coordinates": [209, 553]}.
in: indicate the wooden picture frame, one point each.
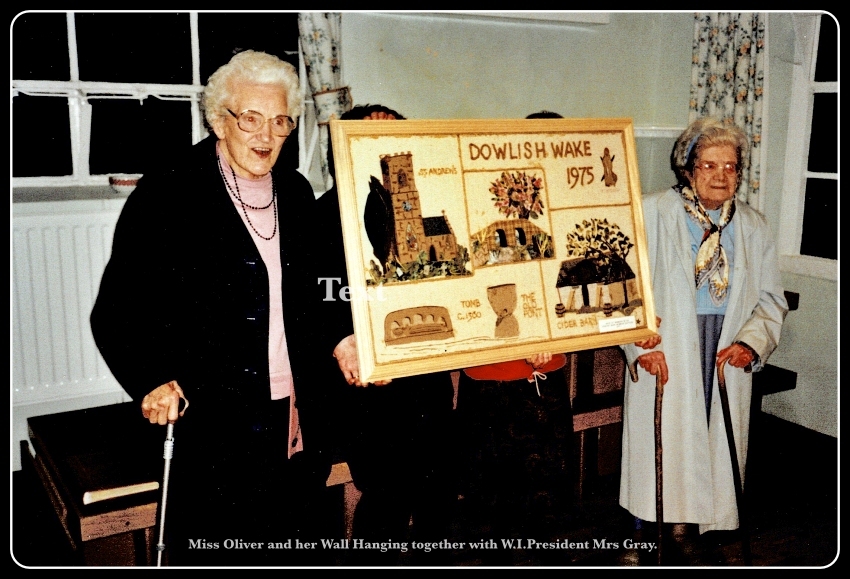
{"type": "Point", "coordinates": [470, 242]}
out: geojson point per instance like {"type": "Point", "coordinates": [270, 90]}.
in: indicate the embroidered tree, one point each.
{"type": "Point", "coordinates": [518, 195]}
{"type": "Point", "coordinates": [597, 238]}
{"type": "Point", "coordinates": [602, 242]}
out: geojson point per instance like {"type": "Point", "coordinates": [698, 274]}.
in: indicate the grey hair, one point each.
{"type": "Point", "coordinates": [251, 67]}
{"type": "Point", "coordinates": [703, 133]}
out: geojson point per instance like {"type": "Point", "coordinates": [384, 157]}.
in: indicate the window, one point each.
{"type": "Point", "coordinates": [810, 198]}
{"type": "Point", "coordinates": [520, 236]}
{"type": "Point", "coordinates": [101, 93]}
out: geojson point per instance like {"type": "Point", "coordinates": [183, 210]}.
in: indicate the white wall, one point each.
{"type": "Point", "coordinates": [448, 67]}
{"type": "Point", "coordinates": [637, 65]}
{"type": "Point", "coordinates": [438, 67]}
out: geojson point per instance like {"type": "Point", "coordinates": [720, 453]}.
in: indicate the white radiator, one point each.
{"type": "Point", "coordinates": [59, 250]}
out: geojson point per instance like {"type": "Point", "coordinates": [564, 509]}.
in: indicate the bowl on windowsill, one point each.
{"type": "Point", "coordinates": [123, 184]}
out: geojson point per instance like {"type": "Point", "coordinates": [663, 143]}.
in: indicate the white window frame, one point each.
{"type": "Point", "coordinates": [806, 30]}
{"type": "Point", "coordinates": [79, 92]}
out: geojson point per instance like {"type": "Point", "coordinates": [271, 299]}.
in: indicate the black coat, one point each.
{"type": "Point", "coordinates": [185, 297]}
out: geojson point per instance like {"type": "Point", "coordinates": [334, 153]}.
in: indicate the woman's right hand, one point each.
{"type": "Point", "coordinates": [162, 405]}
{"type": "Point", "coordinates": [539, 360]}
{"type": "Point", "coordinates": [346, 357]}
{"type": "Point", "coordinates": [656, 364]}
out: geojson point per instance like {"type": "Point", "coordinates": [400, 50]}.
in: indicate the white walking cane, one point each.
{"type": "Point", "coordinates": [167, 453]}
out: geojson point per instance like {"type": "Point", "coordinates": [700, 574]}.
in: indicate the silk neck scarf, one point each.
{"type": "Point", "coordinates": [711, 265]}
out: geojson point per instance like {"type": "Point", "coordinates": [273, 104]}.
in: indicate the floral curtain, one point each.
{"type": "Point", "coordinates": [320, 45]}
{"type": "Point", "coordinates": [727, 81]}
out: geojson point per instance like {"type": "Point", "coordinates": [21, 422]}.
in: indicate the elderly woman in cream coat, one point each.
{"type": "Point", "coordinates": [717, 289]}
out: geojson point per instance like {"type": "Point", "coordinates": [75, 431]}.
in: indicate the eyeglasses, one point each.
{"type": "Point", "coordinates": [252, 121]}
{"type": "Point", "coordinates": [711, 167]}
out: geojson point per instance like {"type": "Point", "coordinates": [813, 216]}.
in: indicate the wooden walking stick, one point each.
{"type": "Point", "coordinates": [659, 471]}
{"type": "Point", "coordinates": [736, 472]}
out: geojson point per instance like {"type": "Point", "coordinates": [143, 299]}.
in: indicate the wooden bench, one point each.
{"type": "Point", "coordinates": [120, 531]}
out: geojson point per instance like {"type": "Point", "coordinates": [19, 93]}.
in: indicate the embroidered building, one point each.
{"type": "Point", "coordinates": [410, 233]}
{"type": "Point", "coordinates": [586, 285]}
{"type": "Point", "coordinates": [509, 233]}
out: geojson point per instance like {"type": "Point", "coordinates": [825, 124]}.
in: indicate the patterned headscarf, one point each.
{"type": "Point", "coordinates": [711, 264]}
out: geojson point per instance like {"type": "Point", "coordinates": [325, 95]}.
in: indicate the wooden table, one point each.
{"type": "Point", "coordinates": [117, 531]}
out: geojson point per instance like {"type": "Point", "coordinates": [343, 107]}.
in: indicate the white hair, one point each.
{"type": "Point", "coordinates": [251, 67]}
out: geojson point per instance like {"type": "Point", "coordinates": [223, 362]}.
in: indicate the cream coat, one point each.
{"type": "Point", "coordinates": [697, 473]}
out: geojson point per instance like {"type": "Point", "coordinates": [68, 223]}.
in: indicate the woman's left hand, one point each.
{"type": "Point", "coordinates": [652, 341]}
{"type": "Point", "coordinates": [737, 355]}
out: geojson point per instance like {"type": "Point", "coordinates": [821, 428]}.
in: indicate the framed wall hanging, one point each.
{"type": "Point", "coordinates": [470, 242]}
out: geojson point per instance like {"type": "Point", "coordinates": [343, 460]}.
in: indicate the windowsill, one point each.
{"type": "Point", "coordinates": [69, 193]}
{"type": "Point", "coordinates": [809, 266]}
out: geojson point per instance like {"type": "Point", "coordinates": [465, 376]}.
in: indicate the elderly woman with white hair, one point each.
{"type": "Point", "coordinates": [211, 296]}
{"type": "Point", "coordinates": [716, 286]}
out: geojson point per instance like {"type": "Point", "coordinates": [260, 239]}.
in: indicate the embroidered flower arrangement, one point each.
{"type": "Point", "coordinates": [518, 195]}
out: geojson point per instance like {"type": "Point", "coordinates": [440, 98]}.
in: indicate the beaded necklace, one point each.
{"type": "Point", "coordinates": [246, 206]}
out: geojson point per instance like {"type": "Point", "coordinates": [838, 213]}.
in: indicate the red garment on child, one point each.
{"type": "Point", "coordinates": [514, 370]}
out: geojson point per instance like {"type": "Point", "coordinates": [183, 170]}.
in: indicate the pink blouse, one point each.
{"type": "Point", "coordinates": [257, 193]}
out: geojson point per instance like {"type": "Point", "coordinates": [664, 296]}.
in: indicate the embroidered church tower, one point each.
{"type": "Point", "coordinates": [397, 171]}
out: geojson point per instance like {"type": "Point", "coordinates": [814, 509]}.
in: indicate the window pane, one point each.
{"type": "Point", "coordinates": [223, 35]}
{"type": "Point", "coordinates": [138, 48]}
{"type": "Point", "coordinates": [823, 143]}
{"type": "Point", "coordinates": [826, 67]}
{"type": "Point", "coordinates": [127, 137]}
{"type": "Point", "coordinates": [820, 219]}
{"type": "Point", "coordinates": [41, 137]}
{"type": "Point", "coordinates": [40, 47]}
